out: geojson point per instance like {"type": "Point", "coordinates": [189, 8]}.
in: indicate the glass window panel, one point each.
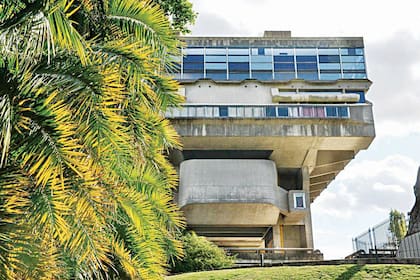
{"type": "Point", "coordinates": [261, 66]}
{"type": "Point", "coordinates": [216, 112]}
{"type": "Point", "coordinates": [219, 75]}
{"type": "Point", "coordinates": [284, 67]}
{"type": "Point", "coordinates": [261, 58]}
{"type": "Point", "coordinates": [192, 76]}
{"type": "Point", "coordinates": [283, 52]}
{"type": "Point", "coordinates": [328, 51]}
{"type": "Point", "coordinates": [305, 51]}
{"type": "Point", "coordinates": [331, 111]}
{"type": "Point", "coordinates": [307, 66]}
{"type": "Point", "coordinates": [184, 112]}
{"type": "Point", "coordinates": [191, 111]}
{"type": "Point", "coordinates": [238, 66]}
{"type": "Point", "coordinates": [343, 112]}
{"type": "Point", "coordinates": [232, 111]}
{"type": "Point", "coordinates": [353, 66]}
{"type": "Point", "coordinates": [254, 51]}
{"type": "Point", "coordinates": [284, 76]}
{"type": "Point", "coordinates": [240, 111]}
{"type": "Point", "coordinates": [208, 112]}
{"type": "Point", "coordinates": [238, 51]}
{"type": "Point", "coordinates": [216, 65]}
{"type": "Point", "coordinates": [285, 58]}
{"type": "Point", "coordinates": [238, 76]}
{"type": "Point", "coordinates": [262, 75]}
{"type": "Point", "coordinates": [344, 51]}
{"type": "Point", "coordinates": [330, 77]}
{"type": "Point", "coordinates": [258, 112]}
{"type": "Point", "coordinates": [268, 51]}
{"type": "Point", "coordinates": [238, 58]}
{"type": "Point", "coordinates": [308, 75]}
{"type": "Point", "coordinates": [358, 51]}
{"type": "Point", "coordinates": [248, 112]}
{"type": "Point", "coordinates": [200, 112]}
{"type": "Point", "coordinates": [193, 58]}
{"type": "Point", "coordinates": [215, 58]}
{"type": "Point", "coordinates": [193, 67]}
{"type": "Point", "coordinates": [282, 111]}
{"type": "Point", "coordinates": [193, 51]}
{"type": "Point", "coordinates": [354, 76]}
{"type": "Point", "coordinates": [294, 111]}
{"type": "Point", "coordinates": [216, 51]}
{"type": "Point", "coordinates": [352, 51]}
{"type": "Point", "coordinates": [353, 58]}
{"type": "Point", "coordinates": [329, 66]}
{"type": "Point", "coordinates": [306, 58]}
{"type": "Point", "coordinates": [223, 111]}
{"type": "Point", "coordinates": [329, 58]}
{"type": "Point", "coordinates": [270, 111]}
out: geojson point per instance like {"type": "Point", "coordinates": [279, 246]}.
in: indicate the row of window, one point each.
{"type": "Point", "coordinates": [271, 64]}
{"type": "Point", "coordinates": [260, 111]}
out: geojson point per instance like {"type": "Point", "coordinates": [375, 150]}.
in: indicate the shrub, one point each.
{"type": "Point", "coordinates": [201, 254]}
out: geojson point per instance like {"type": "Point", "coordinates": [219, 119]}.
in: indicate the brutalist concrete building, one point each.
{"type": "Point", "coordinates": [268, 122]}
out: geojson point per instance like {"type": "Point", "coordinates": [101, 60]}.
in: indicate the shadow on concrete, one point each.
{"type": "Point", "coordinates": [350, 272]}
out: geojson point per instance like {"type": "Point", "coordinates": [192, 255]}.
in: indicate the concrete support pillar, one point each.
{"type": "Point", "coordinates": [308, 219]}
{"type": "Point", "coordinates": [278, 238]}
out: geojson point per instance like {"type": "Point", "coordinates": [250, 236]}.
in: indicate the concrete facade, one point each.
{"type": "Point", "coordinates": [258, 151]}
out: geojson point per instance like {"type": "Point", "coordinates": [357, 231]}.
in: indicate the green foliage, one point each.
{"type": "Point", "coordinates": [397, 225]}
{"type": "Point", "coordinates": [180, 12]}
{"type": "Point", "coordinates": [201, 254]}
{"type": "Point", "coordinates": [85, 188]}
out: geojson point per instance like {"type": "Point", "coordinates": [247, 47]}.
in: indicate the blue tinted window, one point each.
{"type": "Point", "coordinates": [270, 111]}
{"type": "Point", "coordinates": [353, 58]}
{"type": "Point", "coordinates": [306, 58]}
{"type": "Point", "coordinates": [354, 76]}
{"type": "Point", "coordinates": [223, 111]}
{"type": "Point", "coordinates": [329, 66]}
{"type": "Point", "coordinates": [238, 76]}
{"type": "Point", "coordinates": [331, 111]}
{"type": "Point", "coordinates": [216, 51]}
{"type": "Point", "coordinates": [215, 58]}
{"type": "Point", "coordinates": [284, 58]}
{"type": "Point", "coordinates": [331, 51]}
{"type": "Point", "coordinates": [329, 58]}
{"type": "Point", "coordinates": [261, 58]}
{"type": "Point", "coordinates": [260, 51]}
{"type": "Point", "coordinates": [238, 58]}
{"type": "Point", "coordinates": [216, 65]}
{"type": "Point", "coordinates": [193, 66]}
{"type": "Point", "coordinates": [284, 76]}
{"type": "Point", "coordinates": [308, 75]}
{"type": "Point", "coordinates": [262, 75]}
{"type": "Point", "coordinates": [282, 112]}
{"type": "Point", "coordinates": [261, 66]}
{"type": "Point", "coordinates": [238, 66]}
{"type": "Point", "coordinates": [342, 111]}
{"type": "Point", "coordinates": [216, 75]}
{"type": "Point", "coordinates": [284, 66]}
{"type": "Point", "coordinates": [193, 58]}
{"type": "Point", "coordinates": [353, 66]}
{"type": "Point", "coordinates": [307, 66]}
{"type": "Point", "coordinates": [330, 76]}
{"type": "Point", "coordinates": [362, 98]}
{"type": "Point", "coordinates": [238, 51]}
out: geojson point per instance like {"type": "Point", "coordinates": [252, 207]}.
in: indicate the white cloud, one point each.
{"type": "Point", "coordinates": [360, 197]}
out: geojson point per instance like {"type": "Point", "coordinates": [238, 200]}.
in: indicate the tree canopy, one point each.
{"type": "Point", "coordinates": [85, 188]}
{"type": "Point", "coordinates": [180, 13]}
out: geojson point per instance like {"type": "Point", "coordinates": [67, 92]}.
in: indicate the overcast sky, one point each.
{"type": "Point", "coordinates": [383, 176]}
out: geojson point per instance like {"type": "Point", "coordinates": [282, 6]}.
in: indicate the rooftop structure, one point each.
{"type": "Point", "coordinates": [268, 122]}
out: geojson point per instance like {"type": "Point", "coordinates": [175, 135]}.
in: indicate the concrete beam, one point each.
{"type": "Point", "coordinates": [322, 179]}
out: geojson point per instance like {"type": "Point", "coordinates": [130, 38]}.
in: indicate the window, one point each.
{"type": "Point", "coordinates": [270, 111]}
{"type": "Point", "coordinates": [223, 111]}
{"type": "Point", "coordinates": [299, 200]}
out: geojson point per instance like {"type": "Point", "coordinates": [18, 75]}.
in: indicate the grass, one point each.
{"type": "Point", "coordinates": [342, 272]}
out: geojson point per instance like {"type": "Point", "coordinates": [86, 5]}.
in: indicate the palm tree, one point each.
{"type": "Point", "coordinates": [85, 188]}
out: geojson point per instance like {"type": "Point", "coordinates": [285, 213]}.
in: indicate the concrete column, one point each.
{"type": "Point", "coordinates": [308, 218]}
{"type": "Point", "coordinates": [278, 234]}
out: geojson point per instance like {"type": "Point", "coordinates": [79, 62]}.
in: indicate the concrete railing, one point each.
{"type": "Point", "coordinates": [334, 111]}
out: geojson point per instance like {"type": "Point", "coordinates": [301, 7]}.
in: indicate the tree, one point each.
{"type": "Point", "coordinates": [85, 188]}
{"type": "Point", "coordinates": [180, 12]}
{"type": "Point", "coordinates": [201, 254]}
{"type": "Point", "coordinates": [397, 225]}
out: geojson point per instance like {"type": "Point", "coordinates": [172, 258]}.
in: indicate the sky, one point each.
{"type": "Point", "coordinates": [381, 177]}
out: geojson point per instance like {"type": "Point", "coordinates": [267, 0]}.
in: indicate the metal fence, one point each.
{"type": "Point", "coordinates": [377, 238]}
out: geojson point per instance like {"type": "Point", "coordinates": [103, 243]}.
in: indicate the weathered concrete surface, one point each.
{"type": "Point", "coordinates": [230, 192]}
